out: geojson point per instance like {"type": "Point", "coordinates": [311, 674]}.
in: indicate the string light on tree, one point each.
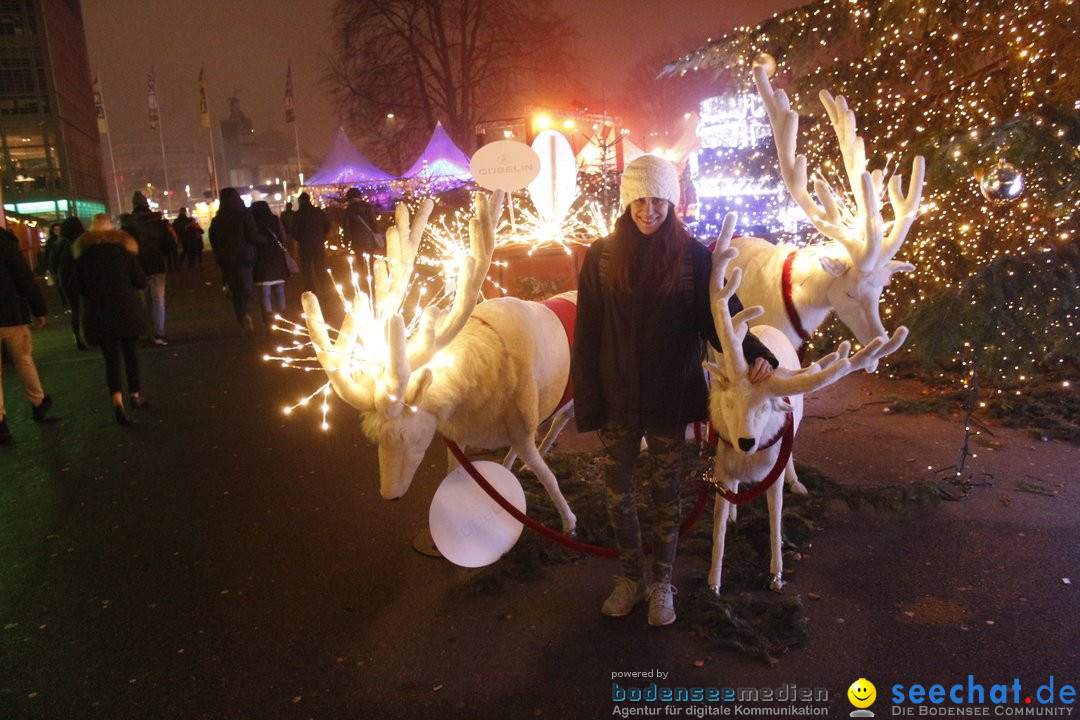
{"type": "Point", "coordinates": [965, 84]}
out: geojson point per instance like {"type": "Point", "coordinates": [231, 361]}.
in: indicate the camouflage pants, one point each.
{"type": "Point", "coordinates": [623, 445]}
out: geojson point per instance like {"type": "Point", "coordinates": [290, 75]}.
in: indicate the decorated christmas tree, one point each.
{"type": "Point", "coordinates": [987, 91]}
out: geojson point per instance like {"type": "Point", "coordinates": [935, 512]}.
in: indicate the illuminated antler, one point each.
{"type": "Point", "coordinates": [863, 235]}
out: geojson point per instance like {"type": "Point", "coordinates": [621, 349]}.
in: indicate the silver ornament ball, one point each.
{"type": "Point", "coordinates": [767, 61]}
{"type": "Point", "coordinates": [1002, 183]}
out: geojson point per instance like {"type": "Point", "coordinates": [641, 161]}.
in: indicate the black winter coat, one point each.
{"type": "Point", "coordinates": [110, 278]}
{"type": "Point", "coordinates": [310, 226]}
{"type": "Point", "coordinates": [233, 237]}
{"type": "Point", "coordinates": [637, 356]}
{"type": "Point", "coordinates": [270, 256]}
{"type": "Point", "coordinates": [20, 298]}
{"type": "Point", "coordinates": [359, 228]}
{"type": "Point", "coordinates": [155, 240]}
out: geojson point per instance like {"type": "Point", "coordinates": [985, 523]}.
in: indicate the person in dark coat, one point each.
{"type": "Point", "coordinates": [233, 237]}
{"type": "Point", "coordinates": [642, 312]}
{"type": "Point", "coordinates": [156, 245]}
{"type": "Point", "coordinates": [359, 224]}
{"type": "Point", "coordinates": [51, 259]}
{"type": "Point", "coordinates": [21, 306]}
{"type": "Point", "coordinates": [310, 226]}
{"type": "Point", "coordinates": [70, 231]}
{"type": "Point", "coordinates": [270, 268]}
{"type": "Point", "coordinates": [110, 279]}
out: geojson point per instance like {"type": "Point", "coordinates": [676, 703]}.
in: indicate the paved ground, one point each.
{"type": "Point", "coordinates": [220, 560]}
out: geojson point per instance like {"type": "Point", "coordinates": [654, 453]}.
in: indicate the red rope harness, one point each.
{"type": "Point", "coordinates": [789, 304]}
{"type": "Point", "coordinates": [544, 530]}
{"type": "Point", "coordinates": [787, 438]}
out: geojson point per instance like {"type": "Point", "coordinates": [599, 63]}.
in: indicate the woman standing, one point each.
{"type": "Point", "coordinates": [110, 279]}
{"type": "Point", "coordinates": [642, 312]}
{"type": "Point", "coordinates": [270, 268]}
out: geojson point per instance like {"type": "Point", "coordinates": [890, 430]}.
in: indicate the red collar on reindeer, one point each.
{"type": "Point", "coordinates": [787, 438]}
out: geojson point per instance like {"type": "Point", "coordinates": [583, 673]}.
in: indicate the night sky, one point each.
{"type": "Point", "coordinates": [245, 47]}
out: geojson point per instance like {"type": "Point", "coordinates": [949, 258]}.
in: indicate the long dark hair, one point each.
{"type": "Point", "coordinates": [663, 273]}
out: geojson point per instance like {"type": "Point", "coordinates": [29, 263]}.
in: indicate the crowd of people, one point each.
{"type": "Point", "coordinates": [643, 317]}
{"type": "Point", "coordinates": [111, 279]}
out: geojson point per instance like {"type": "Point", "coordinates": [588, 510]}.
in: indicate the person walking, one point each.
{"type": "Point", "coordinates": [70, 232]}
{"type": "Point", "coordinates": [110, 278]}
{"type": "Point", "coordinates": [52, 258]}
{"type": "Point", "coordinates": [22, 306]}
{"type": "Point", "coordinates": [151, 232]}
{"type": "Point", "coordinates": [359, 225]}
{"type": "Point", "coordinates": [271, 270]}
{"type": "Point", "coordinates": [233, 237]}
{"type": "Point", "coordinates": [642, 312]}
{"type": "Point", "coordinates": [310, 226]}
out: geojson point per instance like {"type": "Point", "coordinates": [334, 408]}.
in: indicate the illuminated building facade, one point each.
{"type": "Point", "coordinates": [50, 149]}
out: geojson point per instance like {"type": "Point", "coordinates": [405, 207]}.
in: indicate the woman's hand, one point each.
{"type": "Point", "coordinates": [760, 370]}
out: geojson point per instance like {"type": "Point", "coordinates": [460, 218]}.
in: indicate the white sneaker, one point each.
{"type": "Point", "coordinates": [661, 604]}
{"type": "Point", "coordinates": [626, 595]}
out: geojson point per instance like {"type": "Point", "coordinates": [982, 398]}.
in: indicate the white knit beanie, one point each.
{"type": "Point", "coordinates": [649, 176]}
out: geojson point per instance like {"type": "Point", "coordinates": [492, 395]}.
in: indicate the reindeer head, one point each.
{"type": "Point", "coordinates": [376, 365]}
{"type": "Point", "coordinates": [863, 263]}
{"type": "Point", "coordinates": [751, 413]}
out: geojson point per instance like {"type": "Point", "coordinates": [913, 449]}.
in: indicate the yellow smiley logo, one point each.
{"type": "Point", "coordinates": [862, 693]}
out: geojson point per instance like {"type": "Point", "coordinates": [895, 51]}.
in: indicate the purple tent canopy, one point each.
{"type": "Point", "coordinates": [441, 160]}
{"type": "Point", "coordinates": [345, 165]}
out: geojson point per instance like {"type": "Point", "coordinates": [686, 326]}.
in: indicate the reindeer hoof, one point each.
{"type": "Point", "coordinates": [777, 584]}
{"type": "Point", "coordinates": [715, 590]}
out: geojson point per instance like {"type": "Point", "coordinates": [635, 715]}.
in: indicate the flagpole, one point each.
{"type": "Point", "coordinates": [290, 117]}
{"type": "Point", "coordinates": [103, 129]}
{"type": "Point", "coordinates": [204, 117]}
{"type": "Point", "coordinates": [299, 168]}
{"type": "Point", "coordinates": [155, 122]}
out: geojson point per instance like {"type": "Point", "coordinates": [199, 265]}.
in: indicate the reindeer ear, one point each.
{"type": "Point", "coordinates": [782, 405]}
{"type": "Point", "coordinates": [834, 267]}
{"type": "Point", "coordinates": [717, 373]}
{"type": "Point", "coordinates": [418, 388]}
{"type": "Point", "coordinates": [894, 266]}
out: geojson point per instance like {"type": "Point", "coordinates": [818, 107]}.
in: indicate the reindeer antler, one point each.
{"type": "Point", "coordinates": [730, 330]}
{"type": "Point", "coordinates": [862, 236]}
{"type": "Point", "coordinates": [437, 327]}
{"type": "Point", "coordinates": [835, 365]}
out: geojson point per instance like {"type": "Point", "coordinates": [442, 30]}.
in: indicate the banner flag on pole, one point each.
{"type": "Point", "coordinates": [290, 112]}
{"type": "Point", "coordinates": [99, 105]}
{"type": "Point", "coordinates": [204, 109]}
{"type": "Point", "coordinates": [152, 101]}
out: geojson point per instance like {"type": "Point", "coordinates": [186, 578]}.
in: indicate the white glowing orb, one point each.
{"type": "Point", "coordinates": [555, 188]}
{"type": "Point", "coordinates": [468, 527]}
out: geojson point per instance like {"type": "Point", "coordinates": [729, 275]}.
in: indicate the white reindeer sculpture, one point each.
{"type": "Point", "coordinates": [750, 417]}
{"type": "Point", "coordinates": [485, 377]}
{"type": "Point", "coordinates": [798, 288]}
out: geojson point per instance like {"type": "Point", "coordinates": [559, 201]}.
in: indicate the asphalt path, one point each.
{"type": "Point", "coordinates": [223, 560]}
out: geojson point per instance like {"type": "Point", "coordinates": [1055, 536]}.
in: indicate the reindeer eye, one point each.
{"type": "Point", "coordinates": [851, 296]}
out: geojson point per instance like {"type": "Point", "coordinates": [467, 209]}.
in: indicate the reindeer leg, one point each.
{"type": "Point", "coordinates": [791, 479]}
{"type": "Point", "coordinates": [775, 497]}
{"type": "Point", "coordinates": [558, 422]}
{"type": "Point", "coordinates": [721, 513]}
{"type": "Point", "coordinates": [531, 457]}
